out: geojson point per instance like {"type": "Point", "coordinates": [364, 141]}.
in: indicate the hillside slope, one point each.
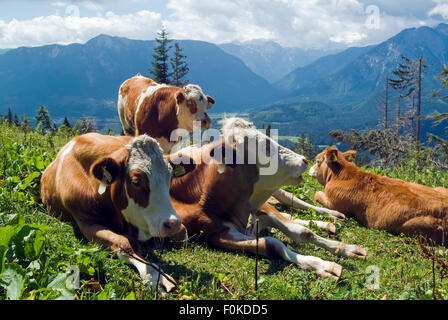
{"type": "Point", "coordinates": [83, 79]}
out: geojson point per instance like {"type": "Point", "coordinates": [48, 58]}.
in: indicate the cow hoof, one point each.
{"type": "Point", "coordinates": [167, 285]}
{"type": "Point", "coordinates": [354, 251]}
{"type": "Point", "coordinates": [166, 282]}
{"type": "Point", "coordinates": [331, 270]}
{"type": "Point", "coordinates": [331, 228]}
{"type": "Point", "coordinates": [336, 214]}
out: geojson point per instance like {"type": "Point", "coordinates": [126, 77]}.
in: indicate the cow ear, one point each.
{"type": "Point", "coordinates": [211, 102]}
{"type": "Point", "coordinates": [106, 170]}
{"type": "Point", "coordinates": [350, 155]}
{"type": "Point", "coordinates": [331, 156]}
{"type": "Point", "coordinates": [180, 97]}
{"type": "Point", "coordinates": [181, 164]}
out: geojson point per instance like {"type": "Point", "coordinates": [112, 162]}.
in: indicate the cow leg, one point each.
{"type": "Point", "coordinates": [289, 199]}
{"type": "Point", "coordinates": [122, 246]}
{"type": "Point", "coordinates": [325, 226]}
{"type": "Point", "coordinates": [320, 197]}
{"type": "Point", "coordinates": [273, 248]}
{"type": "Point", "coordinates": [270, 217]}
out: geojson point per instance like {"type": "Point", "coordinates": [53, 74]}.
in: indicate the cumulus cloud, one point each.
{"type": "Point", "coordinates": [74, 28]}
{"type": "Point", "coordinates": [441, 9]}
{"type": "Point", "coordinates": [306, 24]}
{"type": "Point", "coordinates": [311, 23]}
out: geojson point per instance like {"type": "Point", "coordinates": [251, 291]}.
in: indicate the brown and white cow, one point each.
{"type": "Point", "coordinates": [147, 107]}
{"type": "Point", "coordinates": [116, 189]}
{"type": "Point", "coordinates": [216, 198]}
{"type": "Point", "coordinates": [380, 202]}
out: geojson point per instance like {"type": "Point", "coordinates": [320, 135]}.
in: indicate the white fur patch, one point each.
{"type": "Point", "coordinates": [149, 92]}
{"type": "Point", "coordinates": [63, 153]}
{"type": "Point", "coordinates": [146, 155]}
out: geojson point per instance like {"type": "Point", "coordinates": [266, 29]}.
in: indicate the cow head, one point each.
{"type": "Point", "coordinates": [330, 162]}
{"type": "Point", "coordinates": [192, 105]}
{"type": "Point", "coordinates": [139, 179]}
{"type": "Point", "coordinates": [278, 166]}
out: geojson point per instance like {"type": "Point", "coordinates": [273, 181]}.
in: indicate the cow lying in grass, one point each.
{"type": "Point", "coordinates": [216, 199]}
{"type": "Point", "coordinates": [380, 202]}
{"type": "Point", "coordinates": [147, 107]}
{"type": "Point", "coordinates": [116, 189]}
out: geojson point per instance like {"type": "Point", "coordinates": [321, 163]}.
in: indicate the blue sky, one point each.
{"type": "Point", "coordinates": [301, 23]}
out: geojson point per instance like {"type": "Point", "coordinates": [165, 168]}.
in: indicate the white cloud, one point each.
{"type": "Point", "coordinates": [440, 9]}
{"type": "Point", "coordinates": [311, 23]}
{"type": "Point", "coordinates": [71, 28]}
{"type": "Point", "coordinates": [91, 5]}
{"type": "Point", "coordinates": [58, 4]}
{"type": "Point", "coordinates": [301, 23]}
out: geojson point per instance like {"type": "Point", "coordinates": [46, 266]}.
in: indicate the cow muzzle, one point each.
{"type": "Point", "coordinates": [171, 226]}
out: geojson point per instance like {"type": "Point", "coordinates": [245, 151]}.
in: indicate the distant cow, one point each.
{"type": "Point", "coordinates": [216, 198]}
{"type": "Point", "coordinates": [380, 202]}
{"type": "Point", "coordinates": [116, 189]}
{"type": "Point", "coordinates": [147, 107]}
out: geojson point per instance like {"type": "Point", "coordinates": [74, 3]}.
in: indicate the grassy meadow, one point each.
{"type": "Point", "coordinates": [37, 251]}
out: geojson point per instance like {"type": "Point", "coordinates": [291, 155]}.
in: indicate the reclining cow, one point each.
{"type": "Point", "coordinates": [380, 202]}
{"type": "Point", "coordinates": [116, 189]}
{"type": "Point", "coordinates": [234, 124]}
{"type": "Point", "coordinates": [147, 107]}
{"type": "Point", "coordinates": [216, 198]}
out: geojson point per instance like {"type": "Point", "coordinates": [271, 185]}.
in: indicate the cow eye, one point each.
{"type": "Point", "coordinates": [135, 181]}
{"type": "Point", "coordinates": [201, 98]}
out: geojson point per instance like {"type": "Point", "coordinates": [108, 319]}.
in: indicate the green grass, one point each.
{"type": "Point", "coordinates": [36, 250]}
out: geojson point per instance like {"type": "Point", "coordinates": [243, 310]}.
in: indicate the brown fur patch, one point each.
{"type": "Point", "coordinates": [137, 186]}
{"type": "Point", "coordinates": [192, 106]}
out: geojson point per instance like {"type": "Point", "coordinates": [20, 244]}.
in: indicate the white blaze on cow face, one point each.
{"type": "Point", "coordinates": [147, 183]}
{"type": "Point", "coordinates": [278, 167]}
{"type": "Point", "coordinates": [193, 108]}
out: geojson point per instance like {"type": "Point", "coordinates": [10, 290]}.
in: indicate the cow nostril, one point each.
{"type": "Point", "coordinates": [170, 224]}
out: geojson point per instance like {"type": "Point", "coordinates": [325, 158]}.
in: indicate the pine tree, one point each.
{"type": "Point", "coordinates": [305, 146]}
{"type": "Point", "coordinates": [9, 116]}
{"type": "Point", "coordinates": [409, 80]}
{"type": "Point", "coordinates": [160, 58]}
{"type": "Point", "coordinates": [43, 117]}
{"type": "Point", "coordinates": [66, 123]}
{"type": "Point", "coordinates": [179, 67]}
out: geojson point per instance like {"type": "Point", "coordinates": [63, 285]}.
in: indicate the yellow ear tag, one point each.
{"type": "Point", "coordinates": [179, 171]}
{"type": "Point", "coordinates": [107, 179]}
{"type": "Point", "coordinates": [335, 157]}
{"type": "Point", "coordinates": [106, 175]}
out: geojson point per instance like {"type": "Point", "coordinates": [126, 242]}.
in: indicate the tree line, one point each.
{"type": "Point", "coordinates": [397, 138]}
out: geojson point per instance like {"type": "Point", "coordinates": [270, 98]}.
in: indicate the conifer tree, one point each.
{"type": "Point", "coordinates": [160, 61]}
{"type": "Point", "coordinates": [43, 117]}
{"type": "Point", "coordinates": [179, 67]}
{"type": "Point", "coordinates": [9, 116]}
{"type": "Point", "coordinates": [409, 80]}
{"type": "Point", "coordinates": [67, 123]}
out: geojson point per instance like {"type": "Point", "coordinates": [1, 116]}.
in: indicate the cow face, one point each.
{"type": "Point", "coordinates": [329, 161]}
{"type": "Point", "coordinates": [278, 165]}
{"type": "Point", "coordinates": [192, 105]}
{"type": "Point", "coordinates": [140, 183]}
